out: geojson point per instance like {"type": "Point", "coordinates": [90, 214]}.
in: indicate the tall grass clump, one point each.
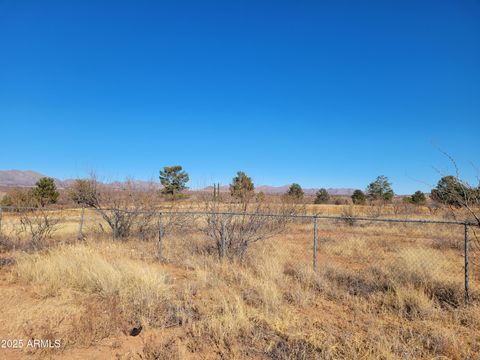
{"type": "Point", "coordinates": [141, 289]}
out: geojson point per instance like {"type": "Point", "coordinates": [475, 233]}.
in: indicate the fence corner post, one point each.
{"type": "Point", "coordinates": [315, 244]}
{"type": "Point", "coordinates": [467, 275]}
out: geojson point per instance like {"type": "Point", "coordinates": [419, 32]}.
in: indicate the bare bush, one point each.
{"type": "Point", "coordinates": [147, 224]}
{"type": "Point", "coordinates": [126, 210]}
{"type": "Point", "coordinates": [234, 231]}
{"type": "Point", "coordinates": [120, 221]}
{"type": "Point", "coordinates": [18, 198]}
{"type": "Point", "coordinates": [38, 226]}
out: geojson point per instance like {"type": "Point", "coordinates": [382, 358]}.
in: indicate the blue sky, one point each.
{"type": "Point", "coordinates": [324, 93]}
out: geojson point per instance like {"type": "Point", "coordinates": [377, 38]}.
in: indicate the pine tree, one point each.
{"type": "Point", "coordinates": [295, 192]}
{"type": "Point", "coordinates": [358, 197]}
{"type": "Point", "coordinates": [173, 179]}
{"type": "Point", "coordinates": [380, 189]}
{"type": "Point", "coordinates": [322, 196]}
{"type": "Point", "coordinates": [45, 191]}
{"type": "Point", "coordinates": [242, 188]}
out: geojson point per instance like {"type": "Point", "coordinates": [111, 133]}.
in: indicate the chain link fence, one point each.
{"type": "Point", "coordinates": [361, 254]}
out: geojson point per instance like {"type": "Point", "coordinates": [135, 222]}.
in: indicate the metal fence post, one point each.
{"type": "Point", "coordinates": [222, 238]}
{"type": "Point", "coordinates": [160, 236]}
{"type": "Point", "coordinates": [467, 276]}
{"type": "Point", "coordinates": [315, 244]}
{"type": "Point", "coordinates": [80, 227]}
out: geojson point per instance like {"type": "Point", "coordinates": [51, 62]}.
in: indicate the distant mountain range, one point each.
{"type": "Point", "coordinates": [19, 178]}
{"type": "Point", "coordinates": [28, 178]}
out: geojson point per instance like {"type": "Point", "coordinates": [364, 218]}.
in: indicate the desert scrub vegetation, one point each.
{"type": "Point", "coordinates": [381, 291]}
{"type": "Point", "coordinates": [28, 229]}
{"type": "Point", "coordinates": [270, 305]}
{"type": "Point", "coordinates": [234, 231]}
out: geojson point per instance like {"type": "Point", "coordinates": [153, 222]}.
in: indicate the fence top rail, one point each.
{"type": "Point", "coordinates": [298, 216]}
{"type": "Point", "coordinates": [316, 216]}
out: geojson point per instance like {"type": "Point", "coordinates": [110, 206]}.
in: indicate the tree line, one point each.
{"type": "Point", "coordinates": [449, 190]}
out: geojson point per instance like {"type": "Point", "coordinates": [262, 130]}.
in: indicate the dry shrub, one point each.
{"type": "Point", "coordinates": [234, 231]}
{"type": "Point", "coordinates": [37, 226]}
{"type": "Point", "coordinates": [126, 210]}
{"type": "Point", "coordinates": [141, 289]}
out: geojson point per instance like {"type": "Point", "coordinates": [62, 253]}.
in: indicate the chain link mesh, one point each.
{"type": "Point", "coordinates": [360, 255]}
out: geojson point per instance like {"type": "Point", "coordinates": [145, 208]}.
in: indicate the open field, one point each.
{"type": "Point", "coordinates": [381, 291]}
{"type": "Point", "coordinates": [216, 180]}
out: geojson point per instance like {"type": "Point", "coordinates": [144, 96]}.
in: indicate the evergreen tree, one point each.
{"type": "Point", "coordinates": [295, 192]}
{"type": "Point", "coordinates": [418, 198]}
{"type": "Point", "coordinates": [358, 197]}
{"type": "Point", "coordinates": [242, 188]}
{"type": "Point", "coordinates": [451, 191]}
{"type": "Point", "coordinates": [45, 191]}
{"type": "Point", "coordinates": [173, 179]}
{"type": "Point", "coordinates": [380, 189]}
{"type": "Point", "coordinates": [322, 196]}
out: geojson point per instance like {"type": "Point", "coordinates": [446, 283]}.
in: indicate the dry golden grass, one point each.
{"type": "Point", "coordinates": [141, 289]}
{"type": "Point", "coordinates": [380, 292]}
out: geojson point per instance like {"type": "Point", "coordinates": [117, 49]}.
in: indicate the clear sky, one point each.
{"type": "Point", "coordinates": [324, 93]}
